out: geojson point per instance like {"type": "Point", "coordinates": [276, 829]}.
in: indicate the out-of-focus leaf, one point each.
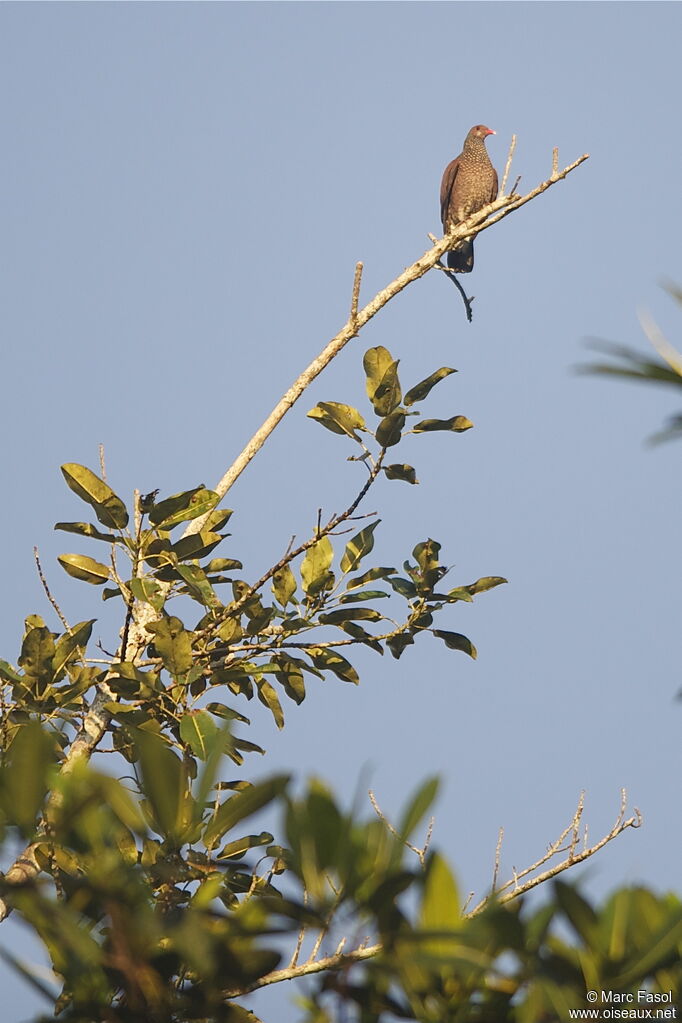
{"type": "Point", "coordinates": [440, 909]}
{"type": "Point", "coordinates": [200, 732]}
{"type": "Point", "coordinates": [404, 472]}
{"type": "Point", "coordinates": [456, 641]}
{"type": "Point", "coordinates": [164, 783]}
{"type": "Point", "coordinates": [109, 509]}
{"type": "Point", "coordinates": [24, 778]}
{"type": "Point", "coordinates": [85, 569]}
{"type": "Point", "coordinates": [242, 805]}
{"type": "Point", "coordinates": [457, 424]}
{"type": "Point", "coordinates": [420, 390]}
{"type": "Point", "coordinates": [418, 805]}
{"type": "Point", "coordinates": [357, 548]}
{"type": "Point", "coordinates": [339, 418]}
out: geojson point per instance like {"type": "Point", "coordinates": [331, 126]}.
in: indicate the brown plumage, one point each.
{"type": "Point", "coordinates": [469, 183]}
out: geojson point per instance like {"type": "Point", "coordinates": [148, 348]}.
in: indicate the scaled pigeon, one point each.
{"type": "Point", "coordinates": [469, 183]}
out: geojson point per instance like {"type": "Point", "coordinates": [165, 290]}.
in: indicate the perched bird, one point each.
{"type": "Point", "coordinates": [469, 183]}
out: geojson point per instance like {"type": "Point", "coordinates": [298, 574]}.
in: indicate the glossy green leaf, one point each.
{"type": "Point", "coordinates": [242, 805]}
{"type": "Point", "coordinates": [222, 565]}
{"type": "Point", "coordinates": [290, 676]}
{"type": "Point", "coordinates": [339, 418]}
{"type": "Point", "coordinates": [200, 732]}
{"type": "Point", "coordinates": [404, 587]}
{"type": "Point", "coordinates": [315, 566]}
{"type": "Point", "coordinates": [403, 472]}
{"type": "Point", "coordinates": [389, 430]}
{"type": "Point", "coordinates": [183, 507]}
{"type": "Point", "coordinates": [148, 591]}
{"type": "Point", "coordinates": [423, 388]}
{"type": "Point", "coordinates": [283, 585]}
{"type": "Point", "coordinates": [358, 548]}
{"type": "Point", "coordinates": [457, 424]}
{"type": "Point", "coordinates": [173, 644]}
{"type": "Point", "coordinates": [456, 641]}
{"type": "Point", "coordinates": [109, 509]}
{"type": "Point", "coordinates": [85, 569]}
{"type": "Point", "coordinates": [327, 659]}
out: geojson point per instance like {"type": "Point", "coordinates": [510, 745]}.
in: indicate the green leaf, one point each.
{"type": "Point", "coordinates": [196, 545]}
{"type": "Point", "coordinates": [173, 644]}
{"type": "Point", "coordinates": [440, 909]}
{"type": "Point", "coordinates": [458, 424]}
{"type": "Point", "coordinates": [369, 576]}
{"type": "Point", "coordinates": [377, 363]}
{"type": "Point", "coordinates": [357, 548]}
{"type": "Point", "coordinates": [241, 805]}
{"type": "Point", "coordinates": [356, 595]}
{"type": "Point", "coordinates": [328, 660]}
{"type": "Point", "coordinates": [198, 585]}
{"type": "Point", "coordinates": [420, 390]}
{"type": "Point", "coordinates": [389, 430]}
{"type": "Point", "coordinates": [85, 529]}
{"type": "Point", "coordinates": [397, 644]}
{"type": "Point", "coordinates": [25, 777]}
{"type": "Point", "coordinates": [456, 641]}
{"type": "Point", "coordinates": [418, 805]}
{"type": "Point", "coordinates": [269, 698]}
{"type": "Point", "coordinates": [71, 644]}
{"type": "Point", "coordinates": [183, 507]}
{"type": "Point", "coordinates": [339, 418]}
{"type": "Point", "coordinates": [236, 849]}
{"type": "Point", "coordinates": [147, 590]}
{"type": "Point", "coordinates": [290, 676]}
{"type": "Point", "coordinates": [283, 585]}
{"type": "Point", "coordinates": [488, 582]}
{"type": "Point", "coordinates": [85, 569]}
{"type": "Point", "coordinates": [404, 587]}
{"type": "Point", "coordinates": [37, 652]}
{"type": "Point", "coordinates": [315, 566]}
{"type": "Point", "coordinates": [404, 472]}
{"type": "Point", "coordinates": [200, 732]}
{"type": "Point", "coordinates": [109, 509]}
{"type": "Point", "coordinates": [348, 614]}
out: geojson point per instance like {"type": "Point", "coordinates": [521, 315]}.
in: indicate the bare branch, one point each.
{"type": "Point", "coordinates": [507, 166]}
{"type": "Point", "coordinates": [48, 594]}
{"type": "Point", "coordinates": [421, 853]}
{"type": "Point", "coordinates": [356, 294]}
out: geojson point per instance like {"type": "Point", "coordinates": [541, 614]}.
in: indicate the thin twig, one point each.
{"type": "Point", "coordinates": [507, 166]}
{"type": "Point", "coordinates": [49, 596]}
{"type": "Point", "coordinates": [356, 294]}
{"type": "Point", "coordinates": [421, 853]}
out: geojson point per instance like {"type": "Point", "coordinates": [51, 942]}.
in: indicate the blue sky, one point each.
{"type": "Point", "coordinates": [185, 192]}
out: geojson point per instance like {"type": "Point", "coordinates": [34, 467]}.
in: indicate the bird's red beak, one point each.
{"type": "Point", "coordinates": [491, 132]}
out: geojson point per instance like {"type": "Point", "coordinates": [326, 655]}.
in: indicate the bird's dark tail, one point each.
{"type": "Point", "coordinates": [461, 259]}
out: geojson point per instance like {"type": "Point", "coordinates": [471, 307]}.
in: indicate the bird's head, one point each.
{"type": "Point", "coordinates": [479, 131]}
